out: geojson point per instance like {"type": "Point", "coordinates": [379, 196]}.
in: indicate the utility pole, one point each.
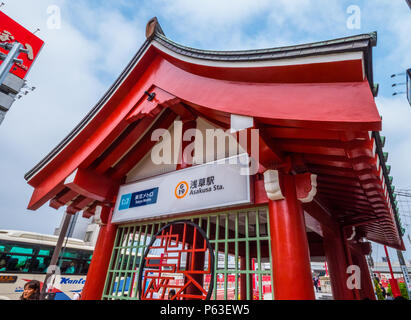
{"type": "Point", "coordinates": [393, 282]}
{"type": "Point", "coordinates": [404, 269]}
{"type": "Point", "coordinates": [51, 270]}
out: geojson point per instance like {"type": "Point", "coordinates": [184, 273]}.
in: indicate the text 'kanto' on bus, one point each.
{"type": "Point", "coordinates": [222, 174]}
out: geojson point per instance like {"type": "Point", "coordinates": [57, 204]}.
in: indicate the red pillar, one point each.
{"type": "Point", "coordinates": [348, 255]}
{"type": "Point", "coordinates": [367, 290]}
{"type": "Point", "coordinates": [289, 246]}
{"type": "Point", "coordinates": [97, 273]}
{"type": "Point", "coordinates": [393, 282]}
{"type": "Point", "coordinates": [337, 265]}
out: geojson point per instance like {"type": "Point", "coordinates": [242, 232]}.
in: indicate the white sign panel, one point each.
{"type": "Point", "coordinates": [216, 184]}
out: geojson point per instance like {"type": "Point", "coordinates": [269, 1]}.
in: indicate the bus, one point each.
{"type": "Point", "coordinates": [25, 256]}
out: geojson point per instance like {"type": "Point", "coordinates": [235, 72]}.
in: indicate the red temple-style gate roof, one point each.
{"type": "Point", "coordinates": [312, 103]}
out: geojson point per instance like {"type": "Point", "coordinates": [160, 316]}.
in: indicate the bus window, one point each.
{"type": "Point", "coordinates": [45, 251]}
{"type": "Point", "coordinates": [3, 262]}
{"type": "Point", "coordinates": [69, 267]}
{"type": "Point", "coordinates": [39, 265]}
{"type": "Point", "coordinates": [21, 249]}
{"type": "Point", "coordinates": [8, 247]}
{"type": "Point", "coordinates": [16, 263]}
{"type": "Point", "coordinates": [86, 265]}
{"type": "Point", "coordinates": [71, 254]}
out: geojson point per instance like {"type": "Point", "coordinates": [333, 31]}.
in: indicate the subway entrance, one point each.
{"type": "Point", "coordinates": [216, 256]}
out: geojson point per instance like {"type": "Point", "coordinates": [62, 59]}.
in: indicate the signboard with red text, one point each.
{"type": "Point", "coordinates": [11, 31]}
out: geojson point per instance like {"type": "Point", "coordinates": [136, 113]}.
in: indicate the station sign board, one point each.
{"type": "Point", "coordinates": [10, 32]}
{"type": "Point", "coordinates": [213, 185]}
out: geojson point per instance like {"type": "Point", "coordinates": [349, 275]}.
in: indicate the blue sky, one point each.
{"type": "Point", "coordinates": [98, 38]}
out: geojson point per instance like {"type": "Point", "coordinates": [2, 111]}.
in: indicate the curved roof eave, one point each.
{"type": "Point", "coordinates": [348, 44]}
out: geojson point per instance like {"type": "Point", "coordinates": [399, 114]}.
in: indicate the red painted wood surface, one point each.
{"type": "Point", "coordinates": [97, 272]}
{"type": "Point", "coordinates": [289, 246]}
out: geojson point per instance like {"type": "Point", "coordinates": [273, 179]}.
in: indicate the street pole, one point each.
{"type": "Point", "coordinates": [394, 284]}
{"type": "Point", "coordinates": [370, 265]}
{"type": "Point", "coordinates": [404, 269]}
{"type": "Point", "coordinates": [10, 59]}
{"type": "Point", "coordinates": [56, 253]}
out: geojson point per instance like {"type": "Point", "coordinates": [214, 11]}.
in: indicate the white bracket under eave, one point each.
{"type": "Point", "coordinates": [97, 216]}
{"type": "Point", "coordinates": [311, 194]}
{"type": "Point", "coordinates": [272, 185]}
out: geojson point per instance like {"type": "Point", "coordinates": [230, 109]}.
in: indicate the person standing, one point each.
{"type": "Point", "coordinates": [31, 291]}
{"type": "Point", "coordinates": [383, 291]}
{"type": "Point", "coordinates": [315, 280]}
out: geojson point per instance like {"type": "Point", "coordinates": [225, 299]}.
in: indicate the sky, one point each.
{"type": "Point", "coordinates": [95, 40]}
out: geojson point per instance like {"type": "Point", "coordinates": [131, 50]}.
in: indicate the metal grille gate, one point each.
{"type": "Point", "coordinates": [241, 242]}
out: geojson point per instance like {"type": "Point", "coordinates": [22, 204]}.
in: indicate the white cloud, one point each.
{"type": "Point", "coordinates": [67, 77]}
{"type": "Point", "coordinates": [396, 119]}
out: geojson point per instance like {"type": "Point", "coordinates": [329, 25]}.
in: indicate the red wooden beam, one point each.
{"type": "Point", "coordinates": [319, 212]}
{"type": "Point", "coordinates": [361, 223]}
{"type": "Point", "coordinates": [216, 118]}
{"type": "Point", "coordinates": [142, 147]}
{"type": "Point", "coordinates": [80, 203]}
{"type": "Point", "coordinates": [62, 198]}
{"type": "Point", "coordinates": [109, 140]}
{"type": "Point", "coordinates": [149, 106]}
{"type": "Point", "coordinates": [125, 141]}
{"type": "Point", "coordinates": [270, 154]}
{"type": "Point", "coordinates": [90, 211]}
{"type": "Point", "coordinates": [302, 133]}
{"type": "Point", "coordinates": [340, 188]}
{"type": "Point", "coordinates": [92, 185]}
{"type": "Point", "coordinates": [347, 195]}
{"type": "Point", "coordinates": [185, 113]}
{"type": "Point", "coordinates": [327, 147]}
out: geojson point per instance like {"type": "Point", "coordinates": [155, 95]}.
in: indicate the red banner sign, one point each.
{"type": "Point", "coordinates": [11, 31]}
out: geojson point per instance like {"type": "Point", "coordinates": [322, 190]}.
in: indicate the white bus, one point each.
{"type": "Point", "coordinates": [25, 256]}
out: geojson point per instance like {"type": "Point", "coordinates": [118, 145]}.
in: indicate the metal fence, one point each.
{"type": "Point", "coordinates": [241, 243]}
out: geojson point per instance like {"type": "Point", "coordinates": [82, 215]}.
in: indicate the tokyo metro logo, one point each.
{"type": "Point", "coordinates": [181, 190]}
{"type": "Point", "coordinates": [138, 199]}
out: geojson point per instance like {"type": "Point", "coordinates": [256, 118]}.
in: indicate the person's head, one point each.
{"type": "Point", "coordinates": [3, 260]}
{"type": "Point", "coordinates": [31, 290]}
{"type": "Point", "coordinates": [171, 294]}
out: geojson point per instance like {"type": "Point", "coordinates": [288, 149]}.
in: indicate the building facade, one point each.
{"type": "Point", "coordinates": [161, 159]}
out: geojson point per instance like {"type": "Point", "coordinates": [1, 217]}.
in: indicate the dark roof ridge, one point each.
{"type": "Point", "coordinates": [372, 37]}
{"type": "Point", "coordinates": [155, 32]}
